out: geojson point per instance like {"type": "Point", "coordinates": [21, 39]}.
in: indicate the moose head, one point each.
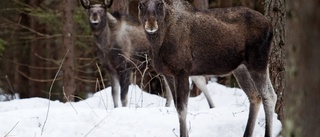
{"type": "Point", "coordinates": [97, 13]}
{"type": "Point", "coordinates": [151, 14]}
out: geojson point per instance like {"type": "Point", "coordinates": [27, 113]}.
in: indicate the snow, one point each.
{"type": "Point", "coordinates": [145, 116]}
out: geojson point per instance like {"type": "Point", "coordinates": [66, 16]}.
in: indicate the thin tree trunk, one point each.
{"type": "Point", "coordinates": [35, 87]}
{"type": "Point", "coordinates": [68, 38]}
{"type": "Point", "coordinates": [302, 98]}
{"type": "Point", "coordinates": [275, 12]}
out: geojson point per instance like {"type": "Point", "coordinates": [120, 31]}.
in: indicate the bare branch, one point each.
{"type": "Point", "coordinates": [55, 77]}
{"type": "Point", "coordinates": [11, 129]}
{"type": "Point", "coordinates": [34, 79]}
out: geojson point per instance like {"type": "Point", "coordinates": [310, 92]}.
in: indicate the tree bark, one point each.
{"type": "Point", "coordinates": [68, 38]}
{"type": "Point", "coordinates": [275, 12]}
{"type": "Point", "coordinates": [303, 80]}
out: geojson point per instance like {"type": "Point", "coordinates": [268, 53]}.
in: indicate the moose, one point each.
{"type": "Point", "coordinates": [186, 41]}
{"type": "Point", "coordinates": [123, 48]}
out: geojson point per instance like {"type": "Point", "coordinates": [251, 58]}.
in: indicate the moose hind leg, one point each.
{"type": "Point", "coordinates": [180, 92]}
{"type": "Point", "coordinates": [244, 80]}
{"type": "Point", "coordinates": [200, 82]}
{"type": "Point", "coordinates": [269, 98]}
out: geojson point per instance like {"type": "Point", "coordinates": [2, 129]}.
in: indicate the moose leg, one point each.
{"type": "Point", "coordinates": [269, 98]}
{"type": "Point", "coordinates": [243, 77]}
{"type": "Point", "coordinates": [124, 83]}
{"type": "Point", "coordinates": [115, 87]}
{"type": "Point", "coordinates": [200, 82]}
{"type": "Point", "coordinates": [180, 93]}
{"type": "Point", "coordinates": [168, 92]}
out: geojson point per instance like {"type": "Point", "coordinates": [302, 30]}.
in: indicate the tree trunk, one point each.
{"type": "Point", "coordinates": [133, 8]}
{"type": "Point", "coordinates": [35, 72]}
{"type": "Point", "coordinates": [275, 12]}
{"type": "Point", "coordinates": [121, 6]}
{"type": "Point", "coordinates": [302, 98]}
{"type": "Point", "coordinates": [68, 38]}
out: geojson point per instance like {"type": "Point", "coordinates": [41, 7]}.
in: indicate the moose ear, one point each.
{"type": "Point", "coordinates": [85, 4]}
{"type": "Point", "coordinates": [112, 20]}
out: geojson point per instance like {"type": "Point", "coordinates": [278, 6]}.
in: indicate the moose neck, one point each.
{"type": "Point", "coordinates": [102, 35]}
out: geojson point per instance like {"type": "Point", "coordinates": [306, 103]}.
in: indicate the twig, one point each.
{"type": "Point", "coordinates": [97, 125]}
{"type": "Point", "coordinates": [131, 62]}
{"type": "Point", "coordinates": [37, 80]}
{"type": "Point", "coordinates": [105, 105]}
{"type": "Point", "coordinates": [31, 30]}
{"type": "Point", "coordinates": [144, 71]}
{"type": "Point", "coordinates": [97, 87]}
{"type": "Point", "coordinates": [51, 86]}
{"type": "Point", "coordinates": [11, 129]}
{"type": "Point", "coordinates": [88, 80]}
{"type": "Point", "coordinates": [86, 103]}
{"type": "Point", "coordinates": [46, 59]}
{"type": "Point", "coordinates": [141, 73]}
{"type": "Point", "coordinates": [32, 67]}
{"type": "Point", "coordinates": [100, 76]}
{"type": "Point", "coordinates": [11, 88]}
{"type": "Point", "coordinates": [174, 132]}
{"type": "Point", "coordinates": [67, 98]}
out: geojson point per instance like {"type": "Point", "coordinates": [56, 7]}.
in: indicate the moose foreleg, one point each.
{"type": "Point", "coordinates": [168, 92]}
{"type": "Point", "coordinates": [115, 87]}
{"type": "Point", "coordinates": [124, 83]}
{"type": "Point", "coordinates": [180, 93]}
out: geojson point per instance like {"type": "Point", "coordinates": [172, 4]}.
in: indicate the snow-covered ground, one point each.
{"type": "Point", "coordinates": [146, 116]}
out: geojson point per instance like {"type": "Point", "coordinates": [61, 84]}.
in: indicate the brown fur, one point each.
{"type": "Point", "coordinates": [211, 42]}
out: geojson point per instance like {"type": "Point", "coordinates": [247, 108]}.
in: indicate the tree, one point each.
{"type": "Point", "coordinates": [302, 98]}
{"type": "Point", "coordinates": [275, 11]}
{"type": "Point", "coordinates": [68, 44]}
{"type": "Point", "coordinates": [36, 64]}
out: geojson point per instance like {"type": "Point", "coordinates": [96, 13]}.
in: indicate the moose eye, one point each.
{"type": "Point", "coordinates": [160, 5]}
{"type": "Point", "coordinates": [141, 6]}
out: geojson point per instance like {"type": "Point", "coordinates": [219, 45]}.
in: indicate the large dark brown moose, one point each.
{"type": "Point", "coordinates": [186, 41]}
{"type": "Point", "coordinates": [123, 48]}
